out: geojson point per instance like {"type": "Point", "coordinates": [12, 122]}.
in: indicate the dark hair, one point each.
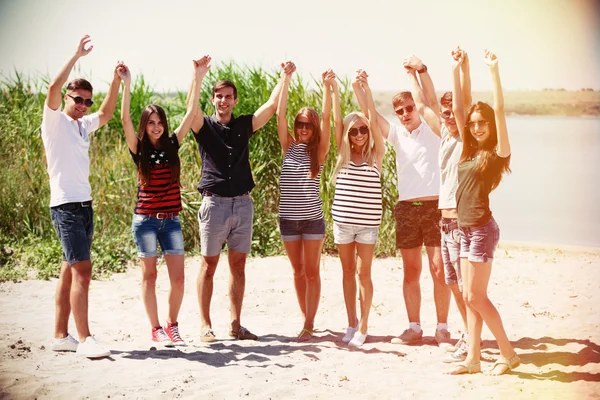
{"type": "Point", "coordinates": [401, 98]}
{"type": "Point", "coordinates": [224, 84]}
{"type": "Point", "coordinates": [312, 148]}
{"type": "Point", "coordinates": [145, 146]}
{"type": "Point", "coordinates": [80, 84]}
{"type": "Point", "coordinates": [446, 100]}
{"type": "Point", "coordinates": [487, 150]}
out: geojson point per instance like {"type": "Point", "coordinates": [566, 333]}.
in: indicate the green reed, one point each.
{"type": "Point", "coordinates": [27, 238]}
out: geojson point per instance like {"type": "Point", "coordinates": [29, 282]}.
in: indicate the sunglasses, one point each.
{"type": "Point", "coordinates": [81, 100]}
{"type": "Point", "coordinates": [407, 110]}
{"type": "Point", "coordinates": [304, 125]}
{"type": "Point", "coordinates": [446, 114]}
{"type": "Point", "coordinates": [474, 124]}
{"type": "Point", "coordinates": [355, 131]}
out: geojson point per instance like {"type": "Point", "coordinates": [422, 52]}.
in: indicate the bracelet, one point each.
{"type": "Point", "coordinates": [422, 70]}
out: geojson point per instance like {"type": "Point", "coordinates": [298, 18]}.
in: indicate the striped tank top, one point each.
{"type": "Point", "coordinates": [299, 194]}
{"type": "Point", "coordinates": [357, 199]}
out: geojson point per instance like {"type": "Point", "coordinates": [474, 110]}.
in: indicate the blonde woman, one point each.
{"type": "Point", "coordinates": [357, 204]}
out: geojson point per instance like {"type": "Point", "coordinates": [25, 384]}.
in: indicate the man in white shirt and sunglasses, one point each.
{"type": "Point", "coordinates": [66, 140]}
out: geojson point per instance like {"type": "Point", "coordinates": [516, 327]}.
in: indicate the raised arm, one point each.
{"type": "Point", "coordinates": [378, 143]}
{"type": "Point", "coordinates": [285, 139]}
{"type": "Point", "coordinates": [338, 121]}
{"type": "Point", "coordinates": [54, 99]}
{"type": "Point", "coordinates": [428, 89]}
{"type": "Point", "coordinates": [503, 143]}
{"type": "Point", "coordinates": [383, 123]}
{"type": "Point", "coordinates": [431, 118]}
{"type": "Point", "coordinates": [130, 135]}
{"type": "Point", "coordinates": [107, 108]}
{"type": "Point", "coordinates": [465, 80]}
{"type": "Point", "coordinates": [458, 103]}
{"type": "Point", "coordinates": [201, 67]}
{"type": "Point", "coordinates": [266, 111]}
{"type": "Point", "coordinates": [328, 78]}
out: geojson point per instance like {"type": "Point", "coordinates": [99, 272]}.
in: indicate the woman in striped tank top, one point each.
{"type": "Point", "coordinates": [356, 206]}
{"type": "Point", "coordinates": [155, 219]}
{"type": "Point", "coordinates": [300, 206]}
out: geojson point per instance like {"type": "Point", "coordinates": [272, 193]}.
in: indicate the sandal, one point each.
{"type": "Point", "coordinates": [464, 368]}
{"type": "Point", "coordinates": [243, 334]}
{"type": "Point", "coordinates": [510, 363]}
{"type": "Point", "coordinates": [304, 338]}
{"type": "Point", "coordinates": [207, 336]}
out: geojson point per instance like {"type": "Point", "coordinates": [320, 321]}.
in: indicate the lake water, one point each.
{"type": "Point", "coordinates": [553, 193]}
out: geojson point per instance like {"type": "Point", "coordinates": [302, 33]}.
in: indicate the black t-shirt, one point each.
{"type": "Point", "coordinates": [474, 187]}
{"type": "Point", "coordinates": [224, 151]}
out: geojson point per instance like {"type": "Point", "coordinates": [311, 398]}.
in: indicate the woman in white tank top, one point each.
{"type": "Point", "coordinates": [356, 206]}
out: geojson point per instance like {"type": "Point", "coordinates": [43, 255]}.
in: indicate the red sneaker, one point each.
{"type": "Point", "coordinates": [159, 336]}
{"type": "Point", "coordinates": [172, 331]}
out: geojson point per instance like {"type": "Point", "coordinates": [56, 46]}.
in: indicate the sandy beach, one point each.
{"type": "Point", "coordinates": [548, 299]}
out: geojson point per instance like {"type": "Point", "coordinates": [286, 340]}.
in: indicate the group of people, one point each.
{"type": "Point", "coordinates": [449, 157]}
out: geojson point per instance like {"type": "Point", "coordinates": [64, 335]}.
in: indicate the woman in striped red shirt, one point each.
{"type": "Point", "coordinates": [356, 206]}
{"type": "Point", "coordinates": [155, 218]}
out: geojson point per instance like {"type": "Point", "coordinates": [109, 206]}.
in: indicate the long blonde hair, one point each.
{"type": "Point", "coordinates": [345, 147]}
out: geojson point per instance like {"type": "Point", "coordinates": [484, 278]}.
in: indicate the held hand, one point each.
{"type": "Point", "coordinates": [81, 49]}
{"type": "Point", "coordinates": [201, 66]}
{"type": "Point", "coordinates": [123, 71]}
{"type": "Point", "coordinates": [361, 79]}
{"type": "Point", "coordinates": [413, 62]}
{"type": "Point", "coordinates": [457, 58]}
{"type": "Point", "coordinates": [287, 69]}
{"type": "Point", "coordinates": [490, 59]}
{"type": "Point", "coordinates": [328, 78]}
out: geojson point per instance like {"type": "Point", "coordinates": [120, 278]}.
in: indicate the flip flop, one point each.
{"type": "Point", "coordinates": [301, 335]}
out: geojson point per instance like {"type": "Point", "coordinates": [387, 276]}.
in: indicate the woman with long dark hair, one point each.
{"type": "Point", "coordinates": [301, 219]}
{"type": "Point", "coordinates": [155, 218]}
{"type": "Point", "coordinates": [485, 158]}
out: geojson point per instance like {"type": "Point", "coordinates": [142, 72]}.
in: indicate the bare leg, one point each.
{"type": "Point", "coordinates": [149, 289]}
{"type": "Point", "coordinates": [441, 291]}
{"type": "Point", "coordinates": [175, 266]}
{"type": "Point", "coordinates": [411, 286]}
{"type": "Point", "coordinates": [63, 302]}
{"type": "Point", "coordinates": [363, 266]}
{"type": "Point", "coordinates": [312, 267]}
{"type": "Point", "coordinates": [237, 286]}
{"type": "Point", "coordinates": [460, 304]}
{"type": "Point", "coordinates": [348, 259]}
{"type": "Point", "coordinates": [81, 276]}
{"type": "Point", "coordinates": [295, 253]}
{"type": "Point", "coordinates": [204, 285]}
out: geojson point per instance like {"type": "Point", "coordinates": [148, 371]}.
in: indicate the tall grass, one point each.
{"type": "Point", "coordinates": [27, 238]}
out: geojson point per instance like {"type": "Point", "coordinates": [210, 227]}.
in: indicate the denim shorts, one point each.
{"type": "Point", "coordinates": [307, 229]}
{"type": "Point", "coordinates": [450, 256]}
{"type": "Point", "coordinates": [225, 219]}
{"type": "Point", "coordinates": [417, 224]}
{"type": "Point", "coordinates": [74, 225]}
{"type": "Point", "coordinates": [346, 234]}
{"type": "Point", "coordinates": [149, 231]}
{"type": "Point", "coordinates": [479, 243]}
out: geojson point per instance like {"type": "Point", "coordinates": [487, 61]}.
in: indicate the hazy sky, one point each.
{"type": "Point", "coordinates": [540, 43]}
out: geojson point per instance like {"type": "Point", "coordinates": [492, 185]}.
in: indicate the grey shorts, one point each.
{"type": "Point", "coordinates": [450, 256]}
{"type": "Point", "coordinates": [478, 244]}
{"type": "Point", "coordinates": [346, 234]}
{"type": "Point", "coordinates": [225, 219]}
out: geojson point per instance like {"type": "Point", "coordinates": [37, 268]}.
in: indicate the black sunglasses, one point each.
{"type": "Point", "coordinates": [81, 100]}
{"type": "Point", "coordinates": [474, 124]}
{"type": "Point", "coordinates": [446, 114]}
{"type": "Point", "coordinates": [304, 125]}
{"type": "Point", "coordinates": [407, 110]}
{"type": "Point", "coordinates": [355, 131]}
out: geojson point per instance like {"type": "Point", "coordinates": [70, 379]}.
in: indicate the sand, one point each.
{"type": "Point", "coordinates": [548, 300]}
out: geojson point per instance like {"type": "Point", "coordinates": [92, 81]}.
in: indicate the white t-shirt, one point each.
{"type": "Point", "coordinates": [417, 163]}
{"type": "Point", "coordinates": [450, 151]}
{"type": "Point", "coordinates": [67, 143]}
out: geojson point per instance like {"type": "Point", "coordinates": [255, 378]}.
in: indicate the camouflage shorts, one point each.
{"type": "Point", "coordinates": [417, 223]}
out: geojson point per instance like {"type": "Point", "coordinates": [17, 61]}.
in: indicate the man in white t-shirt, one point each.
{"type": "Point", "coordinates": [417, 142]}
{"type": "Point", "coordinates": [66, 140]}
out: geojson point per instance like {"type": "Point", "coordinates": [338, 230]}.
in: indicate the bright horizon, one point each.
{"type": "Point", "coordinates": [540, 43]}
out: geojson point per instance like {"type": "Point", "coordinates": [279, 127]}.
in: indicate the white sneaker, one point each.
{"type": "Point", "coordinates": [68, 343]}
{"type": "Point", "coordinates": [358, 339]}
{"type": "Point", "coordinates": [92, 349]}
{"type": "Point", "coordinates": [350, 331]}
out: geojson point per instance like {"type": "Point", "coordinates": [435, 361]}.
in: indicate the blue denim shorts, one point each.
{"type": "Point", "coordinates": [478, 244]}
{"type": "Point", "coordinates": [306, 229]}
{"type": "Point", "coordinates": [149, 232]}
{"type": "Point", "coordinates": [74, 225]}
{"type": "Point", "coordinates": [450, 256]}
{"type": "Point", "coordinates": [346, 234]}
{"type": "Point", "coordinates": [225, 219]}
